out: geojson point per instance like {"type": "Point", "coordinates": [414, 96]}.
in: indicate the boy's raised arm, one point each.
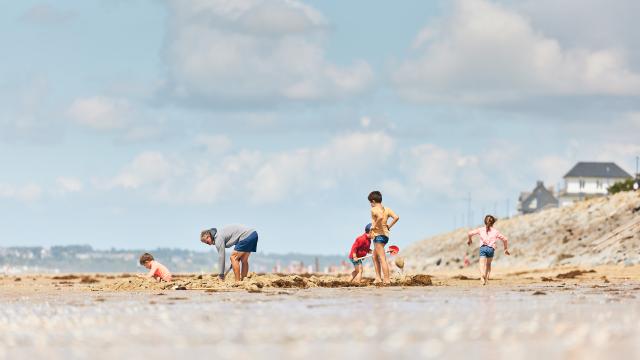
{"type": "Point", "coordinates": [395, 218]}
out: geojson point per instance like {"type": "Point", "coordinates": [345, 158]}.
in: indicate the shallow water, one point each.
{"type": "Point", "coordinates": [572, 321]}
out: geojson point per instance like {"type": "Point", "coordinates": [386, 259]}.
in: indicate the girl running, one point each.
{"type": "Point", "coordinates": [489, 236]}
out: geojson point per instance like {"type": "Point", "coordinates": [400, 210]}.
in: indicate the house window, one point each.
{"type": "Point", "coordinates": [599, 184]}
{"type": "Point", "coordinates": [581, 184]}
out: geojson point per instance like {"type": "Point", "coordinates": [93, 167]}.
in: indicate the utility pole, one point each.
{"type": "Point", "coordinates": [636, 183]}
{"type": "Point", "coordinates": [508, 214]}
{"type": "Point", "coordinates": [469, 210]}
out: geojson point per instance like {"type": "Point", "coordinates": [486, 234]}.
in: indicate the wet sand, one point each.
{"type": "Point", "coordinates": [552, 313]}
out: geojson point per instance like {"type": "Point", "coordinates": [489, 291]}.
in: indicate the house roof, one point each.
{"type": "Point", "coordinates": [542, 196]}
{"type": "Point", "coordinates": [597, 169]}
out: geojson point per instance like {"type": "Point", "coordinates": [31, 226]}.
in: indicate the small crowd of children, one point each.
{"type": "Point", "coordinates": [377, 232]}
{"type": "Point", "coordinates": [245, 241]}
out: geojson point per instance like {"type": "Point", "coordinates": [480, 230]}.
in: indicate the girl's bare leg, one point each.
{"type": "Point", "coordinates": [245, 265]}
{"type": "Point", "coordinates": [483, 266]}
{"type": "Point", "coordinates": [488, 269]}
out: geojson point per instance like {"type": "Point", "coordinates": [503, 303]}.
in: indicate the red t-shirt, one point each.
{"type": "Point", "coordinates": [360, 246]}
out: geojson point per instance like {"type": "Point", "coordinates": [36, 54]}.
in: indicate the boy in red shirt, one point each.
{"type": "Point", "coordinates": [359, 249]}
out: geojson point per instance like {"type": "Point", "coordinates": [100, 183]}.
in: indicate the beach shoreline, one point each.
{"type": "Point", "coordinates": [585, 315]}
{"type": "Point", "coordinates": [466, 277]}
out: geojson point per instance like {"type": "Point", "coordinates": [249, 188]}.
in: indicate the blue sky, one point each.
{"type": "Point", "coordinates": [137, 124]}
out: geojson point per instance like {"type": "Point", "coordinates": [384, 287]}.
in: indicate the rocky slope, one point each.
{"type": "Point", "coordinates": [593, 232]}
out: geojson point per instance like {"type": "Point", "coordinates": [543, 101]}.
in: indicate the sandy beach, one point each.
{"type": "Point", "coordinates": [557, 313]}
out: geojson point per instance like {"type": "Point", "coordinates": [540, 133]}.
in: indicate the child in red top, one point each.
{"type": "Point", "coordinates": [359, 249]}
{"type": "Point", "coordinates": [157, 271]}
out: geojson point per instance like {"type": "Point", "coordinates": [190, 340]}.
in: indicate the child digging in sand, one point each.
{"type": "Point", "coordinates": [488, 236]}
{"type": "Point", "coordinates": [244, 240]}
{"type": "Point", "coordinates": [359, 249]}
{"type": "Point", "coordinates": [380, 234]}
{"type": "Point", "coordinates": [157, 271]}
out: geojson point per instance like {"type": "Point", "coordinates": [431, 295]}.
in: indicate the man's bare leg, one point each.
{"type": "Point", "coordinates": [245, 264]}
{"type": "Point", "coordinates": [235, 264]}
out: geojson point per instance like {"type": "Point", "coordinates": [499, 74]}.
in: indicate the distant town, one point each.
{"type": "Point", "coordinates": [83, 258]}
{"type": "Point", "coordinates": [584, 181]}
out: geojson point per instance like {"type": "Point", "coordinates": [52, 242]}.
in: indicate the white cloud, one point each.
{"type": "Point", "coordinates": [623, 154]}
{"type": "Point", "coordinates": [344, 157]}
{"type": "Point", "coordinates": [210, 188]}
{"type": "Point", "coordinates": [429, 171]}
{"type": "Point", "coordinates": [228, 52]}
{"type": "Point", "coordinates": [147, 168]}
{"type": "Point", "coordinates": [552, 168]}
{"type": "Point", "coordinates": [585, 23]}
{"type": "Point", "coordinates": [485, 52]}
{"type": "Point", "coordinates": [27, 193]}
{"type": "Point", "coordinates": [25, 112]}
{"type": "Point", "coordinates": [214, 144]}
{"type": "Point", "coordinates": [69, 185]}
{"type": "Point", "coordinates": [99, 112]}
{"type": "Point", "coordinates": [438, 170]}
{"type": "Point", "coordinates": [255, 176]}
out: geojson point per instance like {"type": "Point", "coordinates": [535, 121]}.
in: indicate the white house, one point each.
{"type": "Point", "coordinates": [590, 179]}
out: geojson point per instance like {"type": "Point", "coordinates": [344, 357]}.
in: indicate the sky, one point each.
{"type": "Point", "coordinates": [136, 124]}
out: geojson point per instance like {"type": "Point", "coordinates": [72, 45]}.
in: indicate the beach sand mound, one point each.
{"type": "Point", "coordinates": [253, 283]}
{"type": "Point", "coordinates": [600, 231]}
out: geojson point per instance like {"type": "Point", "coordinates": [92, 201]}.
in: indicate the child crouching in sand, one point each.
{"type": "Point", "coordinates": [157, 271]}
{"type": "Point", "coordinates": [488, 236]}
{"type": "Point", "coordinates": [359, 249]}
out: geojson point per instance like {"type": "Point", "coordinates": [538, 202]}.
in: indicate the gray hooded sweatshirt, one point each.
{"type": "Point", "coordinates": [227, 237]}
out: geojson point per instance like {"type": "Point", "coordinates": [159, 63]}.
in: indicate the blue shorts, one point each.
{"type": "Point", "coordinates": [486, 251]}
{"type": "Point", "coordinates": [356, 263]}
{"type": "Point", "coordinates": [381, 239]}
{"type": "Point", "coordinates": [248, 244]}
